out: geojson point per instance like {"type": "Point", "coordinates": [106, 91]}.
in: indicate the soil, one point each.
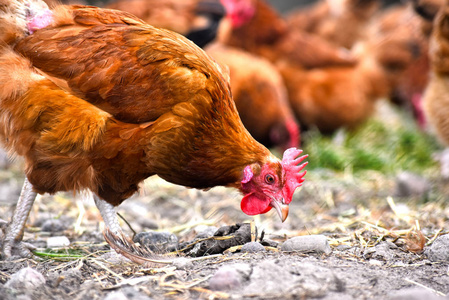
{"type": "Point", "coordinates": [378, 238]}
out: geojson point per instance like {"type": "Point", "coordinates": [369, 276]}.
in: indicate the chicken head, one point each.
{"type": "Point", "coordinates": [272, 185]}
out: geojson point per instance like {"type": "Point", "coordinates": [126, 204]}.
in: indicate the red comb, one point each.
{"type": "Point", "coordinates": [292, 167]}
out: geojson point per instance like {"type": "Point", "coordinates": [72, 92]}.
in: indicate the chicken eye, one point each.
{"type": "Point", "coordinates": [269, 179]}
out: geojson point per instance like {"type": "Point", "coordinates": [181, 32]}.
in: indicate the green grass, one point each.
{"type": "Point", "coordinates": [386, 147]}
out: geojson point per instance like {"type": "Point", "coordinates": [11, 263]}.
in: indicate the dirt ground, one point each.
{"type": "Point", "coordinates": [375, 226]}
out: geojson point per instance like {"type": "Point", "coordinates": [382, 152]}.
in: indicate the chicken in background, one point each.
{"type": "Point", "coordinates": [256, 27]}
{"type": "Point", "coordinates": [332, 97]}
{"type": "Point", "coordinates": [260, 96]}
{"type": "Point", "coordinates": [342, 22]}
{"type": "Point", "coordinates": [198, 20]}
{"type": "Point", "coordinates": [408, 91]}
{"type": "Point", "coordinates": [123, 101]}
{"type": "Point", "coordinates": [436, 96]}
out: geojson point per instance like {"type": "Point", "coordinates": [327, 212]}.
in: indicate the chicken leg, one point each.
{"type": "Point", "coordinates": [108, 214]}
{"type": "Point", "coordinates": [14, 232]}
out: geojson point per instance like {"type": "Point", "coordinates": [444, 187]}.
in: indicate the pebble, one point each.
{"type": "Point", "coordinates": [26, 279]}
{"type": "Point", "coordinates": [127, 293]}
{"type": "Point", "coordinates": [53, 225]}
{"type": "Point", "coordinates": [376, 262]}
{"type": "Point", "coordinates": [382, 251]}
{"type": "Point", "coordinates": [159, 242]}
{"type": "Point", "coordinates": [230, 277]}
{"type": "Point", "coordinates": [253, 247]}
{"type": "Point", "coordinates": [57, 242]}
{"type": "Point", "coordinates": [307, 243]}
{"type": "Point", "coordinates": [439, 250]}
{"type": "Point", "coordinates": [413, 294]}
{"type": "Point", "coordinates": [182, 263]}
{"type": "Point", "coordinates": [410, 184]}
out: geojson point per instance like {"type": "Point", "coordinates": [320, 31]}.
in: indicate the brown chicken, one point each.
{"type": "Point", "coordinates": [198, 20]}
{"type": "Point", "coordinates": [342, 22]}
{"type": "Point", "coordinates": [410, 86]}
{"type": "Point", "coordinates": [97, 99]}
{"type": "Point", "coordinates": [260, 96]}
{"type": "Point", "coordinates": [331, 98]}
{"type": "Point", "coordinates": [256, 27]}
{"type": "Point", "coordinates": [436, 97]}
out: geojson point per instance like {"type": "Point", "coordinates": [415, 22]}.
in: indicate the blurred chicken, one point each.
{"type": "Point", "coordinates": [328, 97]}
{"type": "Point", "coordinates": [260, 96]}
{"type": "Point", "coordinates": [331, 98]}
{"type": "Point", "coordinates": [436, 97]}
{"type": "Point", "coordinates": [342, 22]}
{"type": "Point", "coordinates": [198, 20]}
{"type": "Point", "coordinates": [408, 91]}
{"type": "Point", "coordinates": [97, 99]}
{"type": "Point", "coordinates": [256, 27]}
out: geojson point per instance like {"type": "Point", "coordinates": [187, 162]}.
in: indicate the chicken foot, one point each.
{"type": "Point", "coordinates": [12, 242]}
{"type": "Point", "coordinates": [121, 243]}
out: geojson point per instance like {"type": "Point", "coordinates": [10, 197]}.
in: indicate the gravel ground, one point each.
{"type": "Point", "coordinates": [369, 237]}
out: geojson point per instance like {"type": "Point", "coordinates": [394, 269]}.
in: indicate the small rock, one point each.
{"type": "Point", "coordinates": [381, 251]}
{"type": "Point", "coordinates": [126, 293]}
{"type": "Point", "coordinates": [413, 294]}
{"type": "Point", "coordinates": [53, 225]}
{"type": "Point", "coordinates": [269, 243]}
{"type": "Point", "coordinates": [230, 277]}
{"type": "Point", "coordinates": [26, 279]}
{"type": "Point", "coordinates": [410, 184]}
{"type": "Point", "coordinates": [119, 295]}
{"type": "Point", "coordinates": [376, 262]}
{"type": "Point", "coordinates": [439, 250]}
{"type": "Point", "coordinates": [159, 242]}
{"type": "Point", "coordinates": [183, 263]}
{"type": "Point", "coordinates": [205, 231]}
{"type": "Point", "coordinates": [226, 278]}
{"type": "Point", "coordinates": [343, 247]}
{"type": "Point", "coordinates": [57, 242]}
{"type": "Point", "coordinates": [269, 277]}
{"type": "Point", "coordinates": [307, 243]}
{"type": "Point", "coordinates": [253, 247]}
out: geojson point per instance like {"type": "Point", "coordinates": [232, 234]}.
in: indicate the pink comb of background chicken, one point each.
{"type": "Point", "coordinates": [239, 11]}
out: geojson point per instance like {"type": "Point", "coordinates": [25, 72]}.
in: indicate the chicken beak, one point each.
{"type": "Point", "coordinates": [282, 209]}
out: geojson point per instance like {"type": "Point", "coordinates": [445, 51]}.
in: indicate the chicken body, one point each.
{"type": "Point", "coordinates": [114, 101]}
